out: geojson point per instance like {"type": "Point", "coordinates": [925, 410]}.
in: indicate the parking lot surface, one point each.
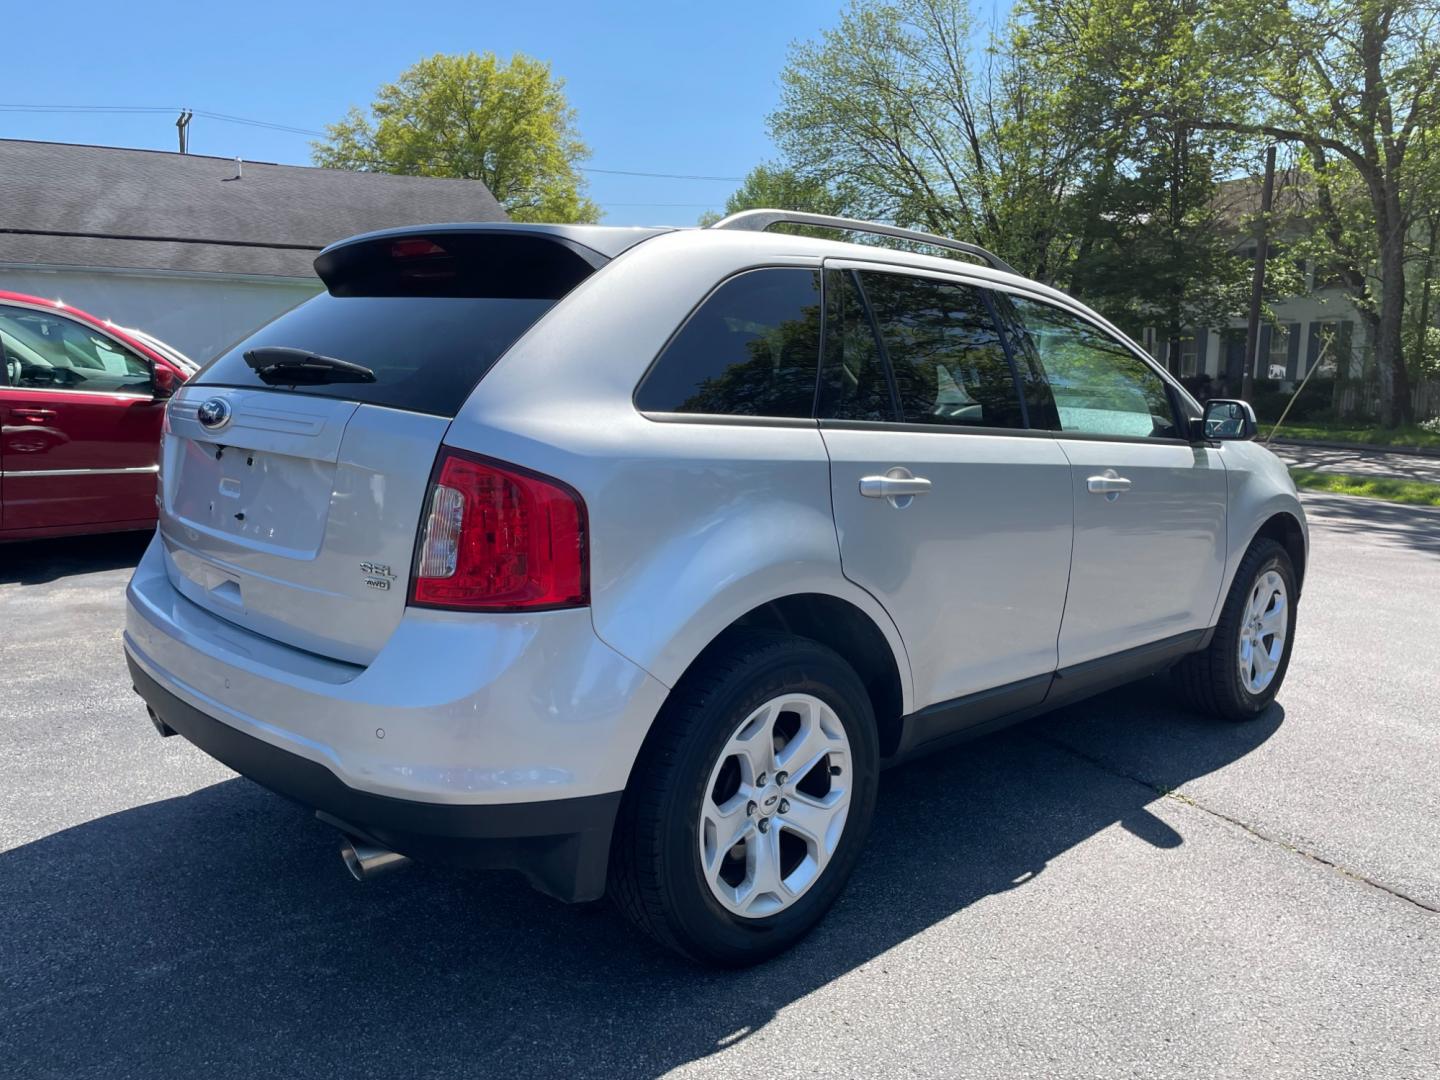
{"type": "Point", "coordinates": [1118, 889]}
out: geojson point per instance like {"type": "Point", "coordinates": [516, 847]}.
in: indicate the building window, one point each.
{"type": "Point", "coordinates": [1330, 347]}
{"type": "Point", "coordinates": [1279, 358]}
{"type": "Point", "coordinates": [1189, 356]}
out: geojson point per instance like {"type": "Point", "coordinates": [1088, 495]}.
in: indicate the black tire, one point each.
{"type": "Point", "coordinates": [1210, 681]}
{"type": "Point", "coordinates": [655, 870]}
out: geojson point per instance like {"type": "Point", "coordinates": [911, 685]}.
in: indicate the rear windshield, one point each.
{"type": "Point", "coordinates": [427, 352]}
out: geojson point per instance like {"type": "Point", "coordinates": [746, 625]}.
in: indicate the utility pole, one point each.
{"type": "Point", "coordinates": [182, 128]}
{"type": "Point", "coordinates": [1257, 286]}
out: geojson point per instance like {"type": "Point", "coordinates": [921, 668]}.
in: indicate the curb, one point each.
{"type": "Point", "coordinates": [1366, 448]}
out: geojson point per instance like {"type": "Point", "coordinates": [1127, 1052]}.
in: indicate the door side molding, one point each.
{"type": "Point", "coordinates": [948, 723]}
{"type": "Point", "coordinates": [1107, 672]}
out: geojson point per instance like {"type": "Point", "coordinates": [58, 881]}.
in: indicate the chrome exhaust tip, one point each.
{"type": "Point", "coordinates": [365, 861]}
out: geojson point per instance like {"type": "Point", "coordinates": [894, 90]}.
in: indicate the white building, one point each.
{"type": "Point", "coordinates": [197, 251]}
{"type": "Point", "coordinates": [1286, 351]}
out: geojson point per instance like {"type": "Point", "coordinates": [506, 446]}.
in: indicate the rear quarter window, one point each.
{"type": "Point", "coordinates": [752, 348]}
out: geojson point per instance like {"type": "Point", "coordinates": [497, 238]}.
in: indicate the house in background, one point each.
{"type": "Point", "coordinates": [197, 251]}
{"type": "Point", "coordinates": [1288, 349]}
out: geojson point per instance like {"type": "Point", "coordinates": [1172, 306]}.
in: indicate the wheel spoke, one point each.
{"type": "Point", "coordinates": [1273, 621]}
{"type": "Point", "coordinates": [813, 819]}
{"type": "Point", "coordinates": [1264, 662]}
{"type": "Point", "coordinates": [754, 743]}
{"type": "Point", "coordinates": [721, 830]}
{"type": "Point", "coordinates": [1257, 602]}
{"type": "Point", "coordinates": [763, 885]}
{"type": "Point", "coordinates": [811, 744]}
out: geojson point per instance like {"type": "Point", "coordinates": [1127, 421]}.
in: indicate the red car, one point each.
{"type": "Point", "coordinates": [81, 406]}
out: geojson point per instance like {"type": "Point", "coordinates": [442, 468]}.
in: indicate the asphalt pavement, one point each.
{"type": "Point", "coordinates": [1118, 889]}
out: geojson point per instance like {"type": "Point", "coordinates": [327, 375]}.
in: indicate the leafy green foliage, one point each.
{"type": "Point", "coordinates": [1356, 84]}
{"type": "Point", "coordinates": [1157, 247]}
{"type": "Point", "coordinates": [1050, 145]}
{"type": "Point", "coordinates": [471, 116]}
{"type": "Point", "coordinates": [777, 187]}
{"type": "Point", "coordinates": [890, 110]}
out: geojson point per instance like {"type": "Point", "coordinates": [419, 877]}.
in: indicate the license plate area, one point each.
{"type": "Point", "coordinates": [271, 500]}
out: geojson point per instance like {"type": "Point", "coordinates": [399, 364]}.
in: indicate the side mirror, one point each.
{"type": "Point", "coordinates": [165, 382]}
{"type": "Point", "coordinates": [1225, 419]}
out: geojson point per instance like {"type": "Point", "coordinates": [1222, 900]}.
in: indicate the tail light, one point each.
{"type": "Point", "coordinates": [499, 538]}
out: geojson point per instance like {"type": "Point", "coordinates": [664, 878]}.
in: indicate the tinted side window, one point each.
{"type": "Point", "coordinates": [944, 350]}
{"type": "Point", "coordinates": [1100, 386]}
{"type": "Point", "coordinates": [48, 352]}
{"type": "Point", "coordinates": [854, 385]}
{"type": "Point", "coordinates": [751, 349]}
{"type": "Point", "coordinates": [1039, 401]}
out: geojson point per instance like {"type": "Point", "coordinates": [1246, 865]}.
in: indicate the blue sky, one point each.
{"type": "Point", "coordinates": [659, 87]}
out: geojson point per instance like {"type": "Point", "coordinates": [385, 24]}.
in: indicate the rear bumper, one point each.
{"type": "Point", "coordinates": [561, 845]}
{"type": "Point", "coordinates": [497, 740]}
{"type": "Point", "coordinates": [455, 708]}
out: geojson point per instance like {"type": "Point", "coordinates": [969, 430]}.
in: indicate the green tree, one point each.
{"type": "Point", "coordinates": [1423, 336]}
{"type": "Point", "coordinates": [1156, 247]}
{"type": "Point", "coordinates": [472, 116]}
{"type": "Point", "coordinates": [1357, 84]}
{"type": "Point", "coordinates": [891, 108]}
{"type": "Point", "coordinates": [1058, 144]}
{"type": "Point", "coordinates": [777, 187]}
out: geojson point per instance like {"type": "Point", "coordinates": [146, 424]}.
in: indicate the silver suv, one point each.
{"type": "Point", "coordinates": [627, 558]}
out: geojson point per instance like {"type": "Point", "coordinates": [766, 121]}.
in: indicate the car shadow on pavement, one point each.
{"type": "Point", "coordinates": [217, 934]}
{"type": "Point", "coordinates": [33, 562]}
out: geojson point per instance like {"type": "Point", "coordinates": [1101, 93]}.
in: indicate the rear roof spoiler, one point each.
{"type": "Point", "coordinates": [493, 259]}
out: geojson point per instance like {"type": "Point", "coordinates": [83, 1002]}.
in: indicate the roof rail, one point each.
{"type": "Point", "coordinates": [760, 220]}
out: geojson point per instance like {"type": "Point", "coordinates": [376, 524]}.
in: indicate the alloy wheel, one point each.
{"type": "Point", "coordinates": [1262, 632]}
{"type": "Point", "coordinates": [775, 805]}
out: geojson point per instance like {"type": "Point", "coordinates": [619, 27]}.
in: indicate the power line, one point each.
{"type": "Point", "coordinates": [249, 122]}
{"type": "Point", "coordinates": [659, 175]}
{"type": "Point", "coordinates": [258, 123]}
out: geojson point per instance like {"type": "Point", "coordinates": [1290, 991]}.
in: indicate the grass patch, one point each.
{"type": "Point", "coordinates": [1409, 492]}
{"type": "Point", "coordinates": [1410, 435]}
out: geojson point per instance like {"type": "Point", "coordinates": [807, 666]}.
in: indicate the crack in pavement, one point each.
{"type": "Point", "coordinates": [1254, 830]}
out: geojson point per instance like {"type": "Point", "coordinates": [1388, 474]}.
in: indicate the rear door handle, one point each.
{"type": "Point", "coordinates": [898, 485]}
{"type": "Point", "coordinates": [35, 416]}
{"type": "Point", "coordinates": [1110, 484]}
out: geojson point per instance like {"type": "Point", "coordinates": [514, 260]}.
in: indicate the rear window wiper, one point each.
{"type": "Point", "coordinates": [280, 366]}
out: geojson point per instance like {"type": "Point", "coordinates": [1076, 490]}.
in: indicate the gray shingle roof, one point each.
{"type": "Point", "coordinates": [150, 209]}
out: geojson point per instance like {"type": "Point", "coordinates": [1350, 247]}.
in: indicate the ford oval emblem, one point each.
{"type": "Point", "coordinates": [213, 414]}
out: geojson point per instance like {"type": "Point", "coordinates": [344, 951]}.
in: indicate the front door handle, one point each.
{"type": "Point", "coordinates": [34, 416]}
{"type": "Point", "coordinates": [898, 485]}
{"type": "Point", "coordinates": [1110, 484]}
